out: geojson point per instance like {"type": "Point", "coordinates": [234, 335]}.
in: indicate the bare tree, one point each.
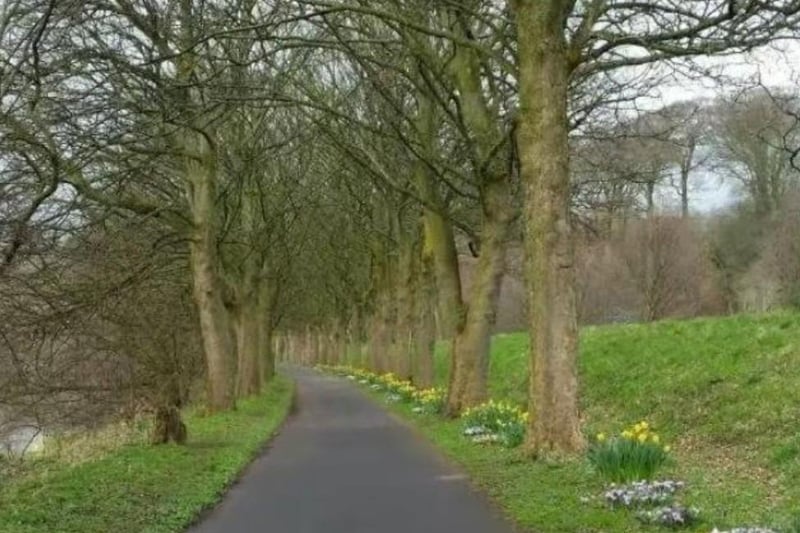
{"type": "Point", "coordinates": [751, 133]}
{"type": "Point", "coordinates": [561, 40]}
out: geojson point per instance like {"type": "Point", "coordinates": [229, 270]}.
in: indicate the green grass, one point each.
{"type": "Point", "coordinates": [724, 392]}
{"type": "Point", "coordinates": [142, 488]}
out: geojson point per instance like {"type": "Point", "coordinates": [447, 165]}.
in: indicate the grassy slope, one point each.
{"type": "Point", "coordinates": [725, 392]}
{"type": "Point", "coordinates": [145, 488]}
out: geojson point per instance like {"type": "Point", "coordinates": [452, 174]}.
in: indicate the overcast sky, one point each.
{"type": "Point", "coordinates": [776, 66]}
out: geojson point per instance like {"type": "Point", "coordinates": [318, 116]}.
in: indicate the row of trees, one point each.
{"type": "Point", "coordinates": [318, 167]}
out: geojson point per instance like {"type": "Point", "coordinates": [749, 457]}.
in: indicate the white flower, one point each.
{"type": "Point", "coordinates": [642, 493]}
{"type": "Point", "coordinates": [746, 530]}
{"type": "Point", "coordinates": [486, 438]}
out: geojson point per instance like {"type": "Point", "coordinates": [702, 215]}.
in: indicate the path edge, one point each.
{"type": "Point", "coordinates": [444, 457]}
{"type": "Point", "coordinates": [291, 411]}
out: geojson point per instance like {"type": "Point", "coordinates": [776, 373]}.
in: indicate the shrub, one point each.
{"type": "Point", "coordinates": [635, 454]}
{"type": "Point", "coordinates": [496, 421]}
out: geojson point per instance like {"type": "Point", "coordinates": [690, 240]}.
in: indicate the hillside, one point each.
{"type": "Point", "coordinates": [725, 392]}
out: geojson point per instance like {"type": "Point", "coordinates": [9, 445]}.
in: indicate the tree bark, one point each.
{"type": "Point", "coordinates": [169, 426]}
{"type": "Point", "coordinates": [248, 336]}
{"type": "Point", "coordinates": [265, 322]}
{"type": "Point", "coordinates": [544, 157]}
{"type": "Point", "coordinates": [208, 288]}
{"type": "Point", "coordinates": [319, 346]}
{"type": "Point", "coordinates": [470, 361]}
{"type": "Point", "coordinates": [686, 169]}
{"type": "Point", "coordinates": [472, 346]}
{"type": "Point", "coordinates": [650, 193]}
{"type": "Point", "coordinates": [310, 346]}
{"type": "Point", "coordinates": [379, 341]}
{"type": "Point", "coordinates": [404, 343]}
{"type": "Point", "coordinates": [439, 244]}
{"type": "Point", "coordinates": [425, 328]}
{"type": "Point", "coordinates": [355, 338]}
{"type": "Point", "coordinates": [380, 335]}
{"type": "Point", "coordinates": [200, 179]}
{"type": "Point", "coordinates": [439, 239]}
{"type": "Point", "coordinates": [341, 343]}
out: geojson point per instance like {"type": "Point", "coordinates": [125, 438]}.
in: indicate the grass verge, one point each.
{"type": "Point", "coordinates": [142, 488]}
{"type": "Point", "coordinates": [723, 391]}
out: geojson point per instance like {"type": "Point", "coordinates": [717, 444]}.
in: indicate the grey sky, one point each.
{"type": "Point", "coordinates": [776, 66]}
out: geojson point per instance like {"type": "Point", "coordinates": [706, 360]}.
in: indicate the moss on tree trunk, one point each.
{"type": "Point", "coordinates": [544, 156]}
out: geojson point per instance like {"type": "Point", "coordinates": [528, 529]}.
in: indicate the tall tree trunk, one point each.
{"type": "Point", "coordinates": [280, 347]}
{"type": "Point", "coordinates": [381, 334]}
{"type": "Point", "coordinates": [472, 346]}
{"type": "Point", "coordinates": [195, 141]}
{"type": "Point", "coordinates": [318, 346]}
{"type": "Point", "coordinates": [686, 169]}
{"type": "Point", "coordinates": [340, 336]}
{"type": "Point", "coordinates": [248, 337]}
{"type": "Point", "coordinates": [375, 340]}
{"type": "Point", "coordinates": [330, 345]}
{"type": "Point", "coordinates": [439, 242]}
{"type": "Point", "coordinates": [379, 337]}
{"type": "Point", "coordinates": [650, 189]}
{"type": "Point", "coordinates": [266, 324]}
{"type": "Point", "coordinates": [310, 342]}
{"type": "Point", "coordinates": [451, 309]}
{"type": "Point", "coordinates": [405, 346]}
{"type": "Point", "coordinates": [208, 287]}
{"type": "Point", "coordinates": [544, 157]}
{"type": "Point", "coordinates": [425, 329]}
{"type": "Point", "coordinates": [355, 340]}
{"type": "Point", "coordinates": [385, 331]}
{"type": "Point", "coordinates": [249, 318]}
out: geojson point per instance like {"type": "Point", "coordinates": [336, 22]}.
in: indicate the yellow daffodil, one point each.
{"type": "Point", "coordinates": [601, 437]}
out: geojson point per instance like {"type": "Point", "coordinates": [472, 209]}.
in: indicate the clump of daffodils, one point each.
{"type": "Point", "coordinates": [429, 401]}
{"type": "Point", "coordinates": [642, 433]}
{"type": "Point", "coordinates": [496, 422]}
{"type": "Point", "coordinates": [402, 389]}
{"type": "Point", "coordinates": [635, 454]}
{"type": "Point", "coordinates": [343, 370]}
{"type": "Point", "coordinates": [360, 375]}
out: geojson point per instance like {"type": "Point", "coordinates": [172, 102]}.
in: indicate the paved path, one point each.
{"type": "Point", "coordinates": [342, 465]}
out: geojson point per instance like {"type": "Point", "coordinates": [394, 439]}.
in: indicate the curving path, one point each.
{"type": "Point", "coordinates": [343, 465]}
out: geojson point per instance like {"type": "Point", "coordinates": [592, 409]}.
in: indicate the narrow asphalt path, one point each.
{"type": "Point", "coordinates": [343, 465]}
